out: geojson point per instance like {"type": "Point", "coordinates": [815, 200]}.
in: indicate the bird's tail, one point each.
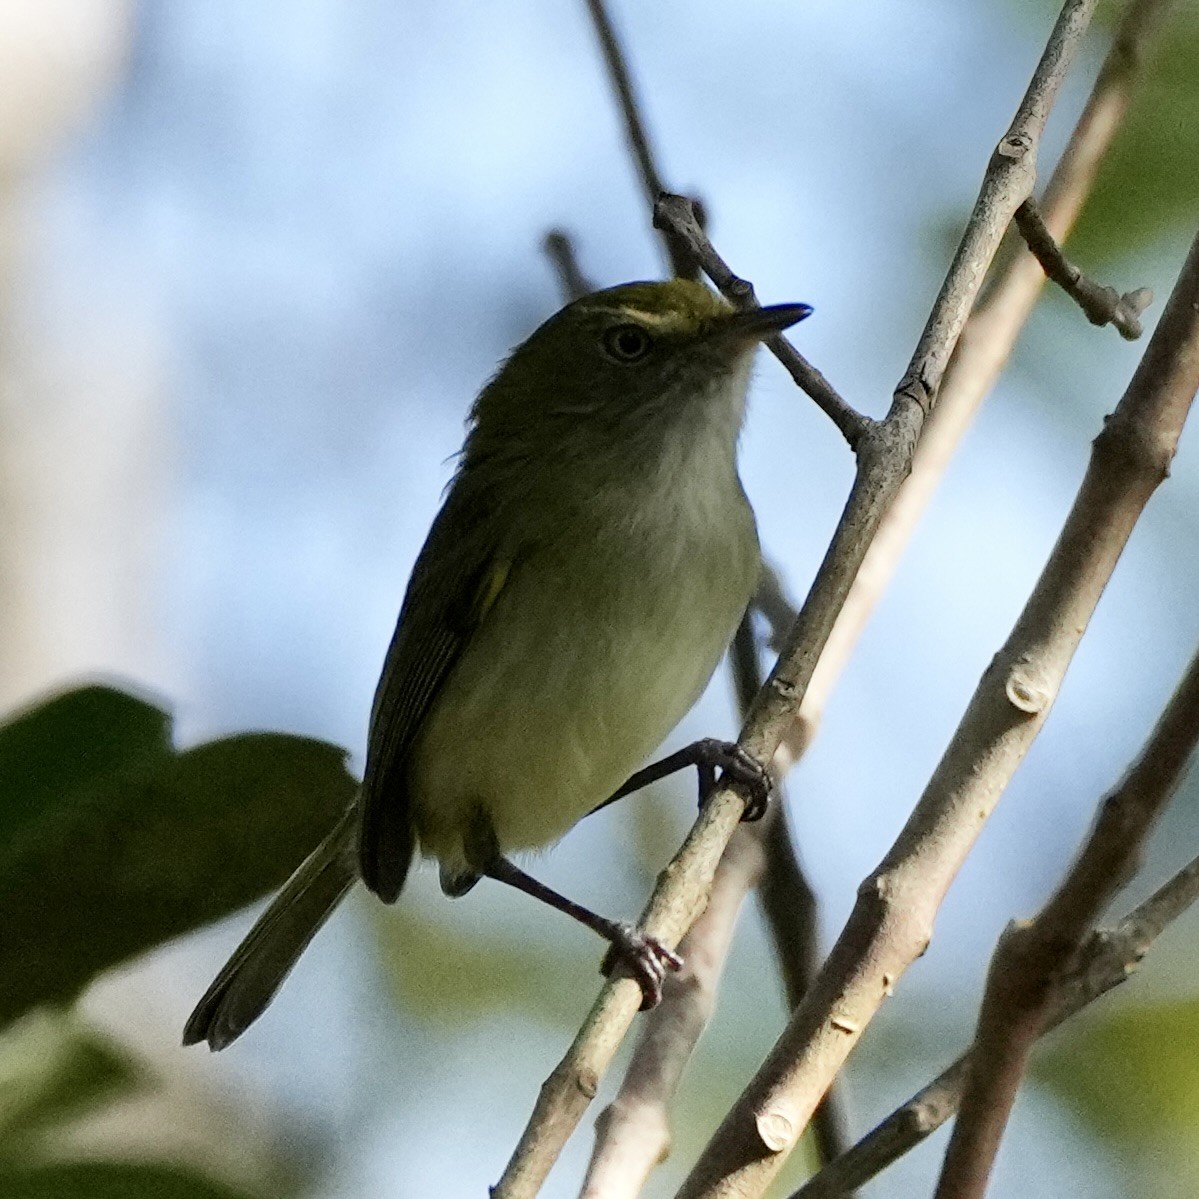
{"type": "Point", "coordinates": [250, 978]}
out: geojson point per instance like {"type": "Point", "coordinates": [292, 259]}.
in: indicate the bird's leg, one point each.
{"type": "Point", "coordinates": [707, 756]}
{"type": "Point", "coordinates": [646, 958]}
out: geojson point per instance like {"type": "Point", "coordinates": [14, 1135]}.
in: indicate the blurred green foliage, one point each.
{"type": "Point", "coordinates": [52, 1068]}
{"type": "Point", "coordinates": [447, 973]}
{"type": "Point", "coordinates": [112, 842]}
{"type": "Point", "coordinates": [1147, 184]}
{"type": "Point", "coordinates": [1132, 1072]}
{"type": "Point", "coordinates": [111, 1180]}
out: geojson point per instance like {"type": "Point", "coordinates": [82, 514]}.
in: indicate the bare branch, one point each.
{"type": "Point", "coordinates": [683, 236]}
{"type": "Point", "coordinates": [562, 255]}
{"type": "Point", "coordinates": [787, 899]}
{"type": "Point", "coordinates": [676, 214]}
{"type": "Point", "coordinates": [1107, 958]}
{"type": "Point", "coordinates": [1102, 305]}
{"type": "Point", "coordinates": [1021, 980]}
{"type": "Point", "coordinates": [681, 264]}
{"type": "Point", "coordinates": [632, 1135]}
{"type": "Point", "coordinates": [982, 352]}
{"type": "Point", "coordinates": [892, 921]}
{"type": "Point", "coordinates": [884, 459]}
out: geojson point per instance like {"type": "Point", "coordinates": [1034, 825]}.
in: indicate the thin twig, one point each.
{"type": "Point", "coordinates": [1020, 981]}
{"type": "Point", "coordinates": [1101, 304]}
{"type": "Point", "coordinates": [562, 255]}
{"type": "Point", "coordinates": [787, 899]}
{"type": "Point", "coordinates": [982, 351]}
{"type": "Point", "coordinates": [632, 1134]}
{"type": "Point", "coordinates": [677, 216]}
{"type": "Point", "coordinates": [1107, 958]}
{"type": "Point", "coordinates": [892, 920]}
{"type": "Point", "coordinates": [681, 264]}
{"type": "Point", "coordinates": [884, 459]}
{"type": "Point", "coordinates": [683, 234]}
{"type": "Point", "coordinates": [789, 905]}
{"type": "Point", "coordinates": [772, 601]}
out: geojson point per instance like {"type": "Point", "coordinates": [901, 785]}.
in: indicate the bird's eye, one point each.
{"type": "Point", "coordinates": [627, 343]}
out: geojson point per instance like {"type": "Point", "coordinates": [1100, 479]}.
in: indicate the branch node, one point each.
{"type": "Point", "coordinates": [1100, 304]}
{"type": "Point", "coordinates": [1014, 146]}
{"type": "Point", "coordinates": [1025, 690]}
{"type": "Point", "coordinates": [776, 1130]}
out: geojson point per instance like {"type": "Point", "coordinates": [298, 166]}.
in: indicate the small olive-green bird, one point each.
{"type": "Point", "coordinates": [576, 592]}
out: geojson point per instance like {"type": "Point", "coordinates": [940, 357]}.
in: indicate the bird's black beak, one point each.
{"type": "Point", "coordinates": [757, 324]}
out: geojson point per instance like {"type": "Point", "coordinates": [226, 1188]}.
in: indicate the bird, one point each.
{"type": "Point", "coordinates": [589, 565]}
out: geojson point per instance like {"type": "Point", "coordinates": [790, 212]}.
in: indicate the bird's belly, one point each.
{"type": "Point", "coordinates": [565, 689]}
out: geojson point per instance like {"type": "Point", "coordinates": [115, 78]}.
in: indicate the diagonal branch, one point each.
{"type": "Point", "coordinates": [983, 350]}
{"type": "Point", "coordinates": [1021, 981]}
{"type": "Point", "coordinates": [884, 459]}
{"type": "Point", "coordinates": [632, 1134]}
{"type": "Point", "coordinates": [682, 264]}
{"type": "Point", "coordinates": [560, 250]}
{"type": "Point", "coordinates": [677, 216]}
{"type": "Point", "coordinates": [891, 922]}
{"type": "Point", "coordinates": [1107, 958]}
{"type": "Point", "coordinates": [1102, 305]}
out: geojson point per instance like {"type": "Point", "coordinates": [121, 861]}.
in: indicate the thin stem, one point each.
{"type": "Point", "coordinates": [1102, 305]}
{"type": "Point", "coordinates": [560, 250]}
{"type": "Point", "coordinates": [677, 215]}
{"type": "Point", "coordinates": [681, 264]}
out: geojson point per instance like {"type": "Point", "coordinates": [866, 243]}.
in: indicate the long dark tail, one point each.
{"type": "Point", "coordinates": [249, 980]}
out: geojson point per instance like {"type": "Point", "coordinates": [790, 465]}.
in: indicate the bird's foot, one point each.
{"type": "Point", "coordinates": [736, 766]}
{"type": "Point", "coordinates": [645, 958]}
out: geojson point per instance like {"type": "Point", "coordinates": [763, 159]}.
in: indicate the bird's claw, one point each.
{"type": "Point", "coordinates": [737, 766]}
{"type": "Point", "coordinates": [645, 958]}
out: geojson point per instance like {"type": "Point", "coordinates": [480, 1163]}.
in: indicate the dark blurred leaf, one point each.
{"type": "Point", "coordinates": [107, 865]}
{"type": "Point", "coordinates": [1133, 1074]}
{"type": "Point", "coordinates": [112, 1180]}
{"type": "Point", "coordinates": [52, 1068]}
{"type": "Point", "coordinates": [75, 740]}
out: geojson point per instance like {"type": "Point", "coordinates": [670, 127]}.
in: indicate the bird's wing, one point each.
{"type": "Point", "coordinates": [457, 578]}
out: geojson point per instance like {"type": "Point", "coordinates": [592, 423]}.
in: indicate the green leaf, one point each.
{"type": "Point", "coordinates": [1133, 1074]}
{"type": "Point", "coordinates": [132, 843]}
{"type": "Point", "coordinates": [112, 1180]}
{"type": "Point", "coordinates": [52, 1068]}
{"type": "Point", "coordinates": [75, 740]}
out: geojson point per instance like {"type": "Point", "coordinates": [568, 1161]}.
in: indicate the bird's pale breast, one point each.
{"type": "Point", "coordinates": [598, 644]}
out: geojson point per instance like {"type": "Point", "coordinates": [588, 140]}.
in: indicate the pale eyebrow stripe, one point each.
{"type": "Point", "coordinates": [654, 320]}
